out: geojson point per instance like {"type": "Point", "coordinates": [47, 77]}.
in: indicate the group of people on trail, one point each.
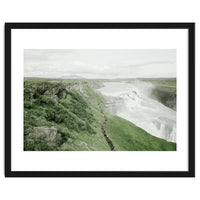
{"type": "Point", "coordinates": [104, 131]}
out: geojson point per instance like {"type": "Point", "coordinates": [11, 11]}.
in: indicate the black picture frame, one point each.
{"type": "Point", "coordinates": [191, 97]}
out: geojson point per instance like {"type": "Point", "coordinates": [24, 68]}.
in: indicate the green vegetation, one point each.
{"type": "Point", "coordinates": [134, 138]}
{"type": "Point", "coordinates": [62, 115]}
{"type": "Point", "coordinates": [165, 92]}
{"type": "Point", "coordinates": [49, 104]}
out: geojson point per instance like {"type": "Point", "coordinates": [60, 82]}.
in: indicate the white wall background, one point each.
{"type": "Point", "coordinates": [99, 11]}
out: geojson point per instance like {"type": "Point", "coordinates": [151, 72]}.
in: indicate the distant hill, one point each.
{"type": "Point", "coordinates": [71, 77]}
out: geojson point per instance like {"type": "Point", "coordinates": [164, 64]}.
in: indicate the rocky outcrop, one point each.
{"type": "Point", "coordinates": [48, 135]}
{"type": "Point", "coordinates": [55, 91]}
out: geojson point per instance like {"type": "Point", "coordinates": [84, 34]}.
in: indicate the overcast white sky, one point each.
{"type": "Point", "coordinates": [94, 63]}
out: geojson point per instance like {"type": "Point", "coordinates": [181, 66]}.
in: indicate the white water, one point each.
{"type": "Point", "coordinates": [132, 102]}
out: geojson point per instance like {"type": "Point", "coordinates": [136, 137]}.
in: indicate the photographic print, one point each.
{"type": "Point", "coordinates": [99, 100]}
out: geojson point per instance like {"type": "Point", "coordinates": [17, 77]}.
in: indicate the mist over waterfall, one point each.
{"type": "Point", "coordinates": [132, 101]}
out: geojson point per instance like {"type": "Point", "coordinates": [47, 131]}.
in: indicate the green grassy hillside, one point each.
{"type": "Point", "coordinates": [63, 115]}
{"type": "Point", "coordinates": [134, 138]}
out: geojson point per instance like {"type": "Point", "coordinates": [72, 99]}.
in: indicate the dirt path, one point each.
{"type": "Point", "coordinates": [104, 131]}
